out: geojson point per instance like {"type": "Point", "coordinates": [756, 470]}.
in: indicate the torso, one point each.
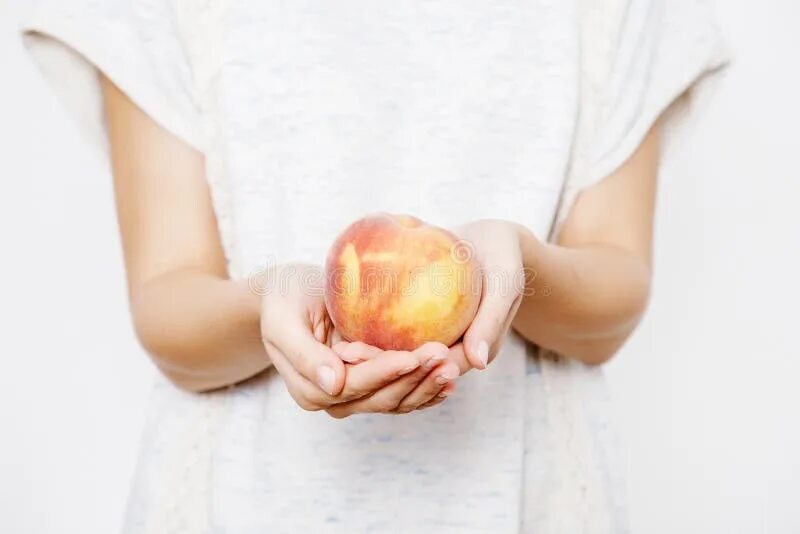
{"type": "Point", "coordinates": [447, 110]}
{"type": "Point", "coordinates": [322, 112]}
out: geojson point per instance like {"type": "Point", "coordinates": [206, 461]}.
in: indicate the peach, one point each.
{"type": "Point", "coordinates": [394, 282]}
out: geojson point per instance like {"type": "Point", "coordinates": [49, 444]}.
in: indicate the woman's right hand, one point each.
{"type": "Point", "coordinates": [298, 334]}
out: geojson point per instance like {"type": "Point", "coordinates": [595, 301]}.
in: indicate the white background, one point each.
{"type": "Point", "coordinates": [706, 392]}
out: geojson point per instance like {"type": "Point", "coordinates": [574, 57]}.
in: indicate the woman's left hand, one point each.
{"type": "Point", "coordinates": [497, 246]}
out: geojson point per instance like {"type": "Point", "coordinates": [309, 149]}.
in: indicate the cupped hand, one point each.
{"type": "Point", "coordinates": [298, 334]}
{"type": "Point", "coordinates": [496, 245]}
{"type": "Point", "coordinates": [426, 386]}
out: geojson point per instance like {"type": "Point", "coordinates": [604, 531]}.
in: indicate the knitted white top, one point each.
{"type": "Point", "coordinates": [312, 113]}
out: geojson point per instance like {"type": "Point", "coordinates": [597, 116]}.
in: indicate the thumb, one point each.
{"type": "Point", "coordinates": [315, 361]}
{"type": "Point", "coordinates": [484, 336]}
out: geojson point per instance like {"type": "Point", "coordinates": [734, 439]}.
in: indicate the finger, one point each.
{"type": "Point", "coordinates": [355, 351]}
{"type": "Point", "coordinates": [430, 353]}
{"type": "Point", "coordinates": [370, 375]}
{"type": "Point", "coordinates": [457, 355]}
{"type": "Point", "coordinates": [447, 390]}
{"type": "Point", "coordinates": [315, 361]}
{"type": "Point", "coordinates": [427, 390]}
{"type": "Point", "coordinates": [483, 337]}
{"type": "Point", "coordinates": [440, 398]}
{"type": "Point", "coordinates": [387, 398]}
{"type": "Point", "coordinates": [384, 400]}
{"type": "Point", "coordinates": [302, 391]}
{"type": "Point", "coordinates": [309, 397]}
{"type": "Point", "coordinates": [431, 404]}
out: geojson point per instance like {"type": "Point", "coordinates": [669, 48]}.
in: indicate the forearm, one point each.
{"type": "Point", "coordinates": [201, 330]}
{"type": "Point", "coordinates": [581, 302]}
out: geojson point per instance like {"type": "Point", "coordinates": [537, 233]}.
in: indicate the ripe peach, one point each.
{"type": "Point", "coordinates": [395, 282]}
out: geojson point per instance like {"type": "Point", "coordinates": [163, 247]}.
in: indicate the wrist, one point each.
{"type": "Point", "coordinates": [530, 247]}
{"type": "Point", "coordinates": [534, 255]}
{"type": "Point", "coordinates": [250, 294]}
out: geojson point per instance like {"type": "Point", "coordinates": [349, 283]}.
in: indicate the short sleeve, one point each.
{"type": "Point", "coordinates": [666, 56]}
{"type": "Point", "coordinates": [134, 43]}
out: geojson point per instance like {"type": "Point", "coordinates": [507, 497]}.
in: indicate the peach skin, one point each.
{"type": "Point", "coordinates": [394, 282]}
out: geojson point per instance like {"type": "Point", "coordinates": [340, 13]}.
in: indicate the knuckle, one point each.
{"type": "Point", "coordinates": [353, 393]}
{"type": "Point", "coordinates": [498, 321]}
{"type": "Point", "coordinates": [384, 405]}
{"type": "Point", "coordinates": [300, 360]}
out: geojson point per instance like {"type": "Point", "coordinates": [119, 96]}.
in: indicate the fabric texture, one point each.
{"type": "Point", "coordinates": [311, 114]}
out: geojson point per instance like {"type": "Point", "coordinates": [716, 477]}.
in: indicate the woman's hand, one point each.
{"type": "Point", "coordinates": [426, 386]}
{"type": "Point", "coordinates": [582, 296]}
{"type": "Point", "coordinates": [298, 335]}
{"type": "Point", "coordinates": [496, 245]}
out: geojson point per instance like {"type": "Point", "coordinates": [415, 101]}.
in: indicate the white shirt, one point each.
{"type": "Point", "coordinates": [312, 114]}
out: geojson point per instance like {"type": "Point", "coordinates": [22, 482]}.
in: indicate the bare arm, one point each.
{"type": "Point", "coordinates": [201, 329]}
{"type": "Point", "coordinates": [598, 274]}
{"type": "Point", "coordinates": [589, 290]}
{"type": "Point", "coordinates": [205, 331]}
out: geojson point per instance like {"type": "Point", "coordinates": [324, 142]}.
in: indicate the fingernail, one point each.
{"type": "Point", "coordinates": [443, 394]}
{"type": "Point", "coordinates": [449, 372]}
{"type": "Point", "coordinates": [435, 359]}
{"type": "Point", "coordinates": [483, 353]}
{"type": "Point", "coordinates": [443, 379]}
{"type": "Point", "coordinates": [326, 377]}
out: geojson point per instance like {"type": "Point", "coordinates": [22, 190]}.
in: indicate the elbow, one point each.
{"type": "Point", "coordinates": [596, 353]}
{"type": "Point", "coordinates": [600, 350]}
{"type": "Point", "coordinates": [178, 371]}
{"type": "Point", "coordinates": [188, 383]}
{"type": "Point", "coordinates": [168, 349]}
{"type": "Point", "coordinates": [170, 361]}
{"type": "Point", "coordinates": [179, 375]}
{"type": "Point", "coordinates": [606, 342]}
